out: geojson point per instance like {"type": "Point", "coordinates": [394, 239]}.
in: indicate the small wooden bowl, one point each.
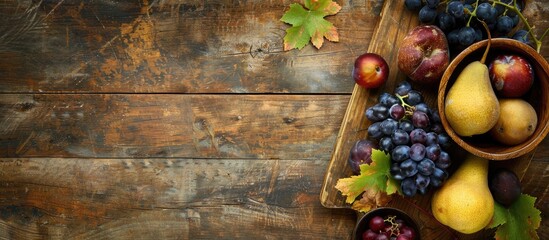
{"type": "Point", "coordinates": [538, 96]}
{"type": "Point", "coordinates": [363, 223]}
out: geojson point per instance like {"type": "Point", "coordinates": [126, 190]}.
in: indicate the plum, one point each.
{"type": "Point", "coordinates": [361, 153]}
{"type": "Point", "coordinates": [505, 186]}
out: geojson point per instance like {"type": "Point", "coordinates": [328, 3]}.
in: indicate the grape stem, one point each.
{"type": "Point", "coordinates": [408, 109]}
{"type": "Point", "coordinates": [514, 8]}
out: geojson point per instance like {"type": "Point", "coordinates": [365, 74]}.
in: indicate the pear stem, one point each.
{"type": "Point", "coordinates": [483, 59]}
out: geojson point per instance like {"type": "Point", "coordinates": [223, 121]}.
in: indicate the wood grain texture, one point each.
{"type": "Point", "coordinates": [67, 198]}
{"type": "Point", "coordinates": [169, 125]}
{"type": "Point", "coordinates": [220, 46]}
{"type": "Point", "coordinates": [181, 119]}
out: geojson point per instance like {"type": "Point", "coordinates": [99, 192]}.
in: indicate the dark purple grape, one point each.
{"type": "Point", "coordinates": [412, 4]}
{"type": "Point", "coordinates": [361, 153]}
{"type": "Point", "coordinates": [478, 35]}
{"type": "Point", "coordinates": [388, 100]}
{"type": "Point", "coordinates": [377, 113]}
{"type": "Point", "coordinates": [437, 128]}
{"type": "Point", "coordinates": [374, 130]}
{"type": "Point", "coordinates": [443, 161]}
{"type": "Point", "coordinates": [504, 24]}
{"type": "Point", "coordinates": [400, 153]}
{"type": "Point", "coordinates": [402, 88]}
{"type": "Point", "coordinates": [417, 151]}
{"type": "Point", "coordinates": [432, 138]}
{"type": "Point", "coordinates": [408, 187]}
{"type": "Point", "coordinates": [445, 21]}
{"type": "Point", "coordinates": [376, 223]}
{"type": "Point", "coordinates": [414, 97]}
{"type": "Point", "coordinates": [400, 137]}
{"type": "Point", "coordinates": [397, 111]}
{"type": "Point", "coordinates": [455, 8]}
{"type": "Point", "coordinates": [386, 144]}
{"type": "Point", "coordinates": [395, 171]}
{"type": "Point", "coordinates": [466, 36]}
{"type": "Point", "coordinates": [452, 37]}
{"type": "Point", "coordinates": [435, 116]}
{"type": "Point", "coordinates": [408, 167]}
{"type": "Point", "coordinates": [406, 125]}
{"type": "Point", "coordinates": [422, 181]}
{"type": "Point", "coordinates": [418, 135]}
{"type": "Point", "coordinates": [516, 20]}
{"type": "Point", "coordinates": [444, 140]}
{"type": "Point", "coordinates": [369, 235]}
{"type": "Point", "coordinates": [388, 126]}
{"type": "Point", "coordinates": [433, 152]}
{"type": "Point", "coordinates": [420, 119]}
{"type": "Point", "coordinates": [486, 12]}
{"type": "Point", "coordinates": [522, 36]}
{"type": "Point", "coordinates": [439, 173]}
{"type": "Point", "coordinates": [438, 177]}
{"type": "Point", "coordinates": [422, 107]}
{"type": "Point", "coordinates": [426, 167]}
{"type": "Point", "coordinates": [427, 14]}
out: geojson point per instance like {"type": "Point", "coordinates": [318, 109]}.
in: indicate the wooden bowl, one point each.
{"type": "Point", "coordinates": [363, 223]}
{"type": "Point", "coordinates": [538, 96]}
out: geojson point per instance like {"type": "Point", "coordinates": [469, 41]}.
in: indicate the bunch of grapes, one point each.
{"type": "Point", "coordinates": [456, 18]}
{"type": "Point", "coordinates": [405, 126]}
{"type": "Point", "coordinates": [388, 227]}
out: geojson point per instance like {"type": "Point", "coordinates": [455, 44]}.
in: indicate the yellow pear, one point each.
{"type": "Point", "coordinates": [517, 121]}
{"type": "Point", "coordinates": [471, 106]}
{"type": "Point", "coordinates": [464, 202]}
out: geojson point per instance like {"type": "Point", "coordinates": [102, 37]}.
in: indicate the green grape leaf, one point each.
{"type": "Point", "coordinates": [517, 222]}
{"type": "Point", "coordinates": [308, 24]}
{"type": "Point", "coordinates": [374, 178]}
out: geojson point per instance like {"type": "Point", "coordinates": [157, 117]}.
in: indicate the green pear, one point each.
{"type": "Point", "coordinates": [464, 202]}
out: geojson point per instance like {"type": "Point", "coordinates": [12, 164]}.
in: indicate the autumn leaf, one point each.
{"type": "Point", "coordinates": [308, 24]}
{"type": "Point", "coordinates": [517, 222]}
{"type": "Point", "coordinates": [374, 181]}
{"type": "Point", "coordinates": [371, 198]}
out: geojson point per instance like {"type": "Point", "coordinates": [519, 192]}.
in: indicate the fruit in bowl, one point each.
{"type": "Point", "coordinates": [517, 121]}
{"type": "Point", "coordinates": [386, 223]}
{"type": "Point", "coordinates": [484, 145]}
{"type": "Point", "coordinates": [511, 75]}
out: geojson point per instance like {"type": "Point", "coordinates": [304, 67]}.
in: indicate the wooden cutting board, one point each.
{"type": "Point", "coordinates": [395, 22]}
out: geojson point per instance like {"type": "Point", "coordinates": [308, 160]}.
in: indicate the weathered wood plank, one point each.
{"type": "Point", "coordinates": [169, 125]}
{"type": "Point", "coordinates": [222, 46]}
{"type": "Point", "coordinates": [69, 198]}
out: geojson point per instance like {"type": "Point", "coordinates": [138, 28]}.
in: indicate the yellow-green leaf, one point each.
{"type": "Point", "coordinates": [374, 178]}
{"type": "Point", "coordinates": [519, 221]}
{"type": "Point", "coordinates": [309, 24]}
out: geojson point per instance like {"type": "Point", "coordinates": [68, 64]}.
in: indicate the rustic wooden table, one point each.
{"type": "Point", "coordinates": [179, 119]}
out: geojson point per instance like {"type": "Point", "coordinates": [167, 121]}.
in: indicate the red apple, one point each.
{"type": "Point", "coordinates": [511, 75]}
{"type": "Point", "coordinates": [370, 70]}
{"type": "Point", "coordinates": [423, 54]}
